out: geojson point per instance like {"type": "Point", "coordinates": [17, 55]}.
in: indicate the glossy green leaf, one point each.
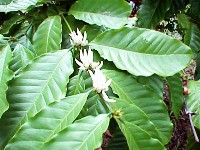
{"type": "Point", "coordinates": [183, 21]}
{"type": "Point", "coordinates": [52, 119]}
{"type": "Point", "coordinates": [84, 134]}
{"type": "Point", "coordinates": [21, 58]}
{"type": "Point", "coordinates": [142, 52]}
{"type": "Point", "coordinates": [111, 14]}
{"type": "Point", "coordinates": [92, 31]}
{"type": "Point", "coordinates": [5, 2]}
{"type": "Point", "coordinates": [192, 37]}
{"type": "Point", "coordinates": [48, 37]}
{"type": "Point", "coordinates": [8, 24]}
{"type": "Point", "coordinates": [145, 99]}
{"type": "Point", "coordinates": [176, 93]}
{"type": "Point", "coordinates": [195, 5]}
{"type": "Point", "coordinates": [16, 5]}
{"type": "Point", "coordinates": [5, 75]}
{"type": "Point", "coordinates": [193, 100]}
{"type": "Point", "coordinates": [41, 83]}
{"type": "Point", "coordinates": [76, 85]}
{"type": "Point", "coordinates": [95, 105]}
{"type": "Point", "coordinates": [118, 141]}
{"type": "Point", "coordinates": [140, 133]}
{"type": "Point", "coordinates": [151, 12]}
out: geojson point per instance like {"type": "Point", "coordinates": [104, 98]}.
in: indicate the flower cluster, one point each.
{"type": "Point", "coordinates": [86, 63]}
{"type": "Point", "coordinates": [77, 39]}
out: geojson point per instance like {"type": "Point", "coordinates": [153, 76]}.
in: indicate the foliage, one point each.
{"type": "Point", "coordinates": [61, 87]}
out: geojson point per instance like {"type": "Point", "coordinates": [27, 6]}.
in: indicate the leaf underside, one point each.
{"type": "Point", "coordinates": [114, 14]}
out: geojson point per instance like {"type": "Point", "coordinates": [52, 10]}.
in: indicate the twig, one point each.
{"type": "Point", "coordinates": [190, 118]}
{"type": "Point", "coordinates": [66, 22]}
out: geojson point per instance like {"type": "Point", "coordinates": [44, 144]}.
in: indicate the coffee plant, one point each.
{"type": "Point", "coordinates": [99, 74]}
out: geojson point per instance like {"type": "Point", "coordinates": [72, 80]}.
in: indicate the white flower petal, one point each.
{"type": "Point", "coordinates": [81, 55]}
{"type": "Point", "coordinates": [80, 64]}
{"type": "Point", "coordinates": [90, 55]}
{"type": "Point", "coordinates": [105, 97]}
{"type": "Point", "coordinates": [108, 82]}
{"type": "Point", "coordinates": [91, 75]}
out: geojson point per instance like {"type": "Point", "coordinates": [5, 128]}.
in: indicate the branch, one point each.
{"type": "Point", "coordinates": [190, 118]}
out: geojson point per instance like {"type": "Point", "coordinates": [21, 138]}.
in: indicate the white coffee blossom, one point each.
{"type": "Point", "coordinates": [100, 85]}
{"type": "Point", "coordinates": [77, 39]}
{"type": "Point", "coordinates": [86, 61]}
{"type": "Point", "coordinates": [164, 23]}
{"type": "Point", "coordinates": [173, 34]}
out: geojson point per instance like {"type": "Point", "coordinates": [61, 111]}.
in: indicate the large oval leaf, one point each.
{"type": "Point", "coordinates": [48, 37]}
{"type": "Point", "coordinates": [151, 12]}
{"type": "Point", "coordinates": [8, 24]}
{"type": "Point", "coordinates": [112, 14]}
{"type": "Point", "coordinates": [52, 119]}
{"type": "Point", "coordinates": [22, 57]}
{"type": "Point", "coordinates": [42, 82]}
{"type": "Point", "coordinates": [176, 93]}
{"type": "Point", "coordinates": [138, 130]}
{"type": "Point", "coordinates": [5, 76]}
{"type": "Point", "coordinates": [193, 100]}
{"type": "Point", "coordinates": [143, 97]}
{"type": "Point", "coordinates": [84, 134]}
{"type": "Point", "coordinates": [16, 5]}
{"type": "Point", "coordinates": [142, 51]}
{"type": "Point", "coordinates": [192, 37]}
{"type": "Point", "coordinates": [76, 85]}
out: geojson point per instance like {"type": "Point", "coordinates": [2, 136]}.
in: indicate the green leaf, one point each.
{"type": "Point", "coordinates": [144, 98]}
{"type": "Point", "coordinates": [183, 21]}
{"type": "Point", "coordinates": [5, 75]}
{"type": "Point", "coordinates": [16, 5]}
{"type": "Point", "coordinates": [138, 130]}
{"type": "Point", "coordinates": [84, 134]}
{"type": "Point", "coordinates": [143, 52]}
{"type": "Point", "coordinates": [21, 58]}
{"type": "Point", "coordinates": [5, 2]}
{"type": "Point", "coordinates": [193, 100]}
{"type": "Point", "coordinates": [114, 14]}
{"type": "Point", "coordinates": [39, 84]}
{"type": "Point", "coordinates": [76, 85]}
{"type": "Point", "coordinates": [95, 105]}
{"type": "Point", "coordinates": [176, 93]}
{"type": "Point", "coordinates": [151, 12]}
{"type": "Point", "coordinates": [8, 24]}
{"type": "Point", "coordinates": [176, 7]}
{"type": "Point", "coordinates": [195, 5]}
{"type": "Point", "coordinates": [118, 141]}
{"type": "Point", "coordinates": [52, 119]}
{"type": "Point", "coordinates": [192, 37]}
{"type": "Point", "coordinates": [92, 31]}
{"type": "Point", "coordinates": [48, 37]}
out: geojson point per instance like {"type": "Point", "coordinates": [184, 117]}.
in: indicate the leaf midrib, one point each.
{"type": "Point", "coordinates": [68, 113]}
{"type": "Point", "coordinates": [40, 93]}
{"type": "Point", "coordinates": [85, 12]}
{"type": "Point", "coordinates": [98, 125]}
{"type": "Point", "coordinates": [129, 51]}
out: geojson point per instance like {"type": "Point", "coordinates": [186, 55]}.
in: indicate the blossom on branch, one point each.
{"type": "Point", "coordinates": [86, 61]}
{"type": "Point", "coordinates": [77, 39]}
{"type": "Point", "coordinates": [100, 85]}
